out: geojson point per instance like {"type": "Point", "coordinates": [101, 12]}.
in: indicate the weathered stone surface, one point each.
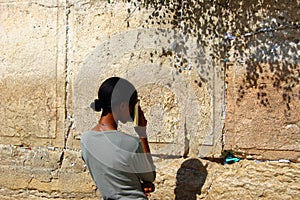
{"type": "Point", "coordinates": [52, 173]}
{"type": "Point", "coordinates": [265, 132]}
{"type": "Point", "coordinates": [90, 25]}
{"type": "Point", "coordinates": [255, 180]}
{"type": "Point", "coordinates": [32, 73]}
{"type": "Point", "coordinates": [180, 113]}
{"type": "Point", "coordinates": [247, 179]}
{"type": "Point", "coordinates": [262, 114]}
{"type": "Point", "coordinates": [176, 179]}
{"type": "Point", "coordinates": [171, 99]}
{"type": "Point", "coordinates": [55, 54]}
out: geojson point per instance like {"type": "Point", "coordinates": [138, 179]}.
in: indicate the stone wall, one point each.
{"type": "Point", "coordinates": [211, 75]}
{"type": "Point", "coordinates": [263, 88]}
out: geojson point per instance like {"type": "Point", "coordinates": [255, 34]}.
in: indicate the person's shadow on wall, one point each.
{"type": "Point", "coordinates": [189, 179]}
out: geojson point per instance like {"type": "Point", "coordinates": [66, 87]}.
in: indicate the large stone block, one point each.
{"type": "Point", "coordinates": [185, 116]}
{"type": "Point", "coordinates": [32, 80]}
{"type": "Point", "coordinates": [176, 178]}
{"type": "Point", "coordinates": [48, 172]}
{"type": "Point", "coordinates": [263, 123]}
{"type": "Point", "coordinates": [247, 179]}
{"type": "Point", "coordinates": [90, 24]}
{"type": "Point", "coordinates": [179, 111]}
{"type": "Point", "coordinates": [262, 114]}
{"type": "Point", "coordinates": [252, 180]}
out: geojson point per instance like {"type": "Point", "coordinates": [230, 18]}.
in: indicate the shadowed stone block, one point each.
{"type": "Point", "coordinates": [263, 95]}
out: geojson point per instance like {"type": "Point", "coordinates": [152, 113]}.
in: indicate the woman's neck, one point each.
{"type": "Point", "coordinates": [106, 123]}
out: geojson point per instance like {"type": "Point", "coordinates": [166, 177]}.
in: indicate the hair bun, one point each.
{"type": "Point", "coordinates": [96, 105]}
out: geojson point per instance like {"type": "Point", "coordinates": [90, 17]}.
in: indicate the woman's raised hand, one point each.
{"type": "Point", "coordinates": [142, 123]}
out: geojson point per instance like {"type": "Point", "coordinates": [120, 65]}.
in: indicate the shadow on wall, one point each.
{"type": "Point", "coordinates": [189, 179]}
{"type": "Point", "coordinates": [266, 44]}
{"type": "Point", "coordinates": [242, 33]}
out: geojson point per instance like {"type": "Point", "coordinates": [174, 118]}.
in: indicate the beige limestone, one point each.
{"type": "Point", "coordinates": [90, 25]}
{"type": "Point", "coordinates": [32, 73]}
{"type": "Point", "coordinates": [54, 55]}
{"type": "Point", "coordinates": [262, 100]}
{"type": "Point", "coordinates": [181, 115]}
{"type": "Point", "coordinates": [253, 129]}
{"type": "Point", "coordinates": [157, 77]}
{"type": "Point", "coordinates": [177, 178]}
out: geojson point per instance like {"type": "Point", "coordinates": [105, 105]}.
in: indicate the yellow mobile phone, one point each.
{"type": "Point", "coordinates": [136, 114]}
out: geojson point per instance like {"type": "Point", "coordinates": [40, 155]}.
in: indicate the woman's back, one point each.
{"type": "Point", "coordinates": [117, 163]}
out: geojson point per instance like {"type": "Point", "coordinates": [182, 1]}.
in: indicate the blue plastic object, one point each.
{"type": "Point", "coordinates": [230, 159]}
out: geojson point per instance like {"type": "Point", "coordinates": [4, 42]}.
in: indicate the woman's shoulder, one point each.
{"type": "Point", "coordinates": [91, 135]}
{"type": "Point", "coordinates": [87, 133]}
{"type": "Point", "coordinates": [85, 136]}
{"type": "Point", "coordinates": [113, 133]}
{"type": "Point", "coordinates": [128, 137]}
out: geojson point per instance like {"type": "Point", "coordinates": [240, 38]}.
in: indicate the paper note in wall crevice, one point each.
{"type": "Point", "coordinates": [136, 114]}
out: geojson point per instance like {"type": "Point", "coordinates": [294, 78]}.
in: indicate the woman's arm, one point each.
{"type": "Point", "coordinates": [148, 187]}
{"type": "Point", "coordinates": [141, 131]}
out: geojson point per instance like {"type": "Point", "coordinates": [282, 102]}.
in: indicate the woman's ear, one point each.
{"type": "Point", "coordinates": [123, 108]}
{"type": "Point", "coordinates": [124, 115]}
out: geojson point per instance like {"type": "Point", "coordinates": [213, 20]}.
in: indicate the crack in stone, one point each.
{"type": "Point", "coordinates": [29, 182]}
{"type": "Point", "coordinates": [186, 142]}
{"type": "Point", "coordinates": [263, 30]}
{"type": "Point", "coordinates": [46, 6]}
{"type": "Point", "coordinates": [61, 159]}
{"type": "Point", "coordinates": [68, 118]}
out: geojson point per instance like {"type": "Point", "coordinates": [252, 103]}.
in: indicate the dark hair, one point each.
{"type": "Point", "coordinates": [112, 92]}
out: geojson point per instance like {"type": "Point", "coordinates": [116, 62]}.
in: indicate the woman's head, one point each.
{"type": "Point", "coordinates": [113, 93]}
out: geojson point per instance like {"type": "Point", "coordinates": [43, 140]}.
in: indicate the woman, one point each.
{"type": "Point", "coordinates": [121, 165]}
